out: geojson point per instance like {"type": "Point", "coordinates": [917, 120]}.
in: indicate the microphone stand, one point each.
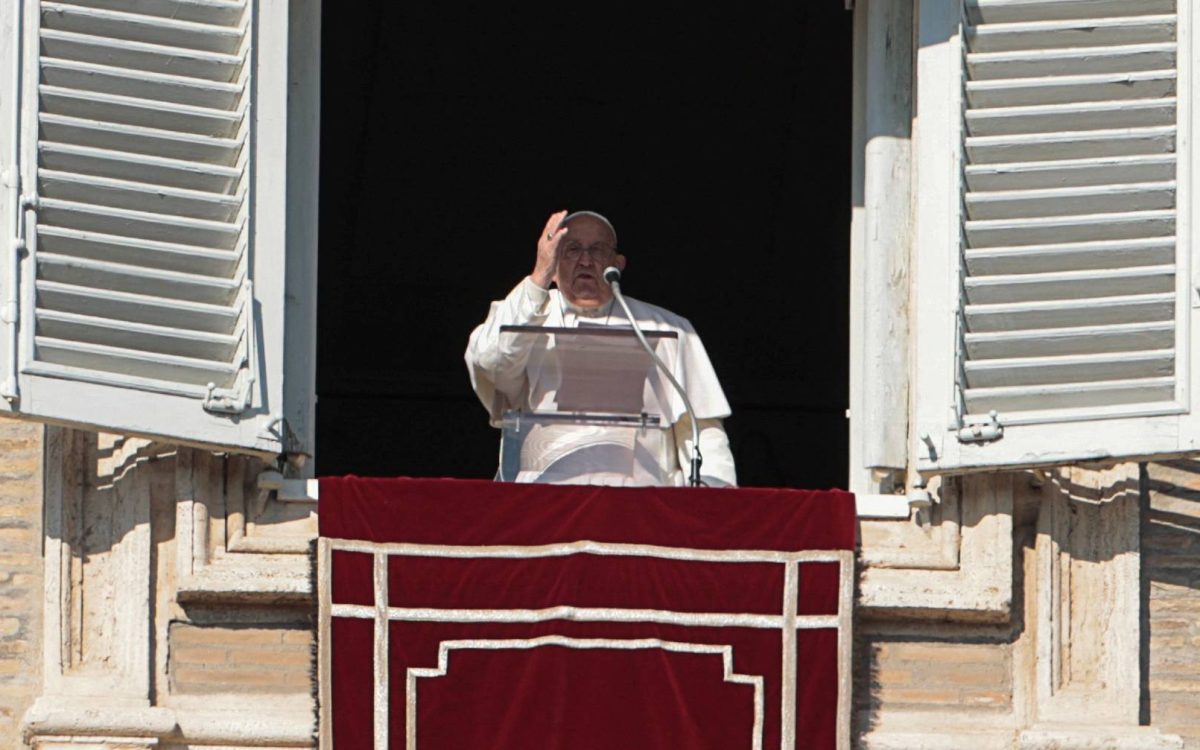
{"type": "Point", "coordinates": [612, 275]}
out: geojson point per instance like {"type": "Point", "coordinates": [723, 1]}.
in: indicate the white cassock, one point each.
{"type": "Point", "coordinates": [512, 372]}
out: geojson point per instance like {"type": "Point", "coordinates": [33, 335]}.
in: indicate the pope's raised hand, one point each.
{"type": "Point", "coordinates": [547, 250]}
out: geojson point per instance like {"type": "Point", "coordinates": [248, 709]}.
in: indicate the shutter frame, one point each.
{"type": "Point", "coordinates": [1058, 435]}
{"type": "Point", "coordinates": [251, 413]}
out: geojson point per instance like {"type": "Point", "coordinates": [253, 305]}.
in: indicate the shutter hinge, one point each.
{"type": "Point", "coordinates": [226, 403]}
{"type": "Point", "coordinates": [981, 429]}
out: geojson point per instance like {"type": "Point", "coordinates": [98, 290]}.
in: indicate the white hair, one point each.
{"type": "Point", "coordinates": [594, 215]}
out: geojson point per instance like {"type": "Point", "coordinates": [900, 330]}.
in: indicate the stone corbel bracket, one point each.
{"type": "Point", "coordinates": [237, 540]}
{"type": "Point", "coordinates": [956, 566]}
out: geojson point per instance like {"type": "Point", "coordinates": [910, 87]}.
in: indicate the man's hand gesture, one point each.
{"type": "Point", "coordinates": [547, 250]}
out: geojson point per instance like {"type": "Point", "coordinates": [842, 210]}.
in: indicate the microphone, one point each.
{"type": "Point", "coordinates": [612, 275]}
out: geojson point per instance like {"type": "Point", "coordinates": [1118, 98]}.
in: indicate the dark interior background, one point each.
{"type": "Point", "coordinates": [716, 139]}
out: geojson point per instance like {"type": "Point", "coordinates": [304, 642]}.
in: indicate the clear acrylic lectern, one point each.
{"type": "Point", "coordinates": [595, 409]}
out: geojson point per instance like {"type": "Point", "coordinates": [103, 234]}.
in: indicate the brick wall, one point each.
{"type": "Point", "coordinates": [1171, 564]}
{"type": "Point", "coordinates": [207, 659]}
{"type": "Point", "coordinates": [20, 574]}
{"type": "Point", "coordinates": [907, 672]}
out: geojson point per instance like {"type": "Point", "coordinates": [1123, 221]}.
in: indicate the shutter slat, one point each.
{"type": "Point", "coordinates": [1086, 144]}
{"type": "Point", "coordinates": [134, 27]}
{"type": "Point", "coordinates": [121, 278]}
{"type": "Point", "coordinates": [138, 336]}
{"type": "Point", "coordinates": [1027, 316]}
{"type": "Point", "coordinates": [132, 362]}
{"type": "Point", "coordinates": [1076, 340]}
{"type": "Point", "coordinates": [140, 140]}
{"type": "Point", "coordinates": [1069, 285]}
{"type": "Point", "coordinates": [136, 196]}
{"type": "Point", "coordinates": [1153, 84]}
{"type": "Point", "coordinates": [985, 66]}
{"type": "Point", "coordinates": [1085, 368]}
{"type": "Point", "coordinates": [1007, 11]}
{"type": "Point", "coordinates": [140, 225]}
{"type": "Point", "coordinates": [1070, 173]}
{"type": "Point", "coordinates": [1076, 116]}
{"type": "Point", "coordinates": [127, 110]}
{"type": "Point", "coordinates": [1070, 395]}
{"type": "Point", "coordinates": [84, 160]}
{"type": "Point", "coordinates": [103, 79]}
{"type": "Point", "coordinates": [1055, 229]}
{"type": "Point", "coordinates": [1074, 201]}
{"type": "Point", "coordinates": [1070, 256]}
{"type": "Point", "coordinates": [1086, 32]}
{"type": "Point", "coordinates": [221, 12]}
{"type": "Point", "coordinates": [137, 308]}
{"type": "Point", "coordinates": [212, 66]}
{"type": "Point", "coordinates": [163, 256]}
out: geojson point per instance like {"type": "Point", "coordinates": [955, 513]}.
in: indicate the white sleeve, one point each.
{"type": "Point", "coordinates": [497, 363]}
{"type": "Point", "coordinates": [716, 469]}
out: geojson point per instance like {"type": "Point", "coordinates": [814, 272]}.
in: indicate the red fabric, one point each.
{"type": "Point", "coordinates": [659, 690]}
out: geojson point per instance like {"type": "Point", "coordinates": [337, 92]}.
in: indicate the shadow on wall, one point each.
{"type": "Point", "coordinates": [1171, 526]}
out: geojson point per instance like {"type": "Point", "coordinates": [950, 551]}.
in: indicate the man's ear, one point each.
{"type": "Point", "coordinates": [619, 262]}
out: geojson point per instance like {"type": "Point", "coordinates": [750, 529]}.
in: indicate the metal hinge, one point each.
{"type": "Point", "coordinates": [981, 429]}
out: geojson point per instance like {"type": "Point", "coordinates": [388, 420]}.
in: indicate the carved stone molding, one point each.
{"type": "Point", "coordinates": [98, 565]}
{"type": "Point", "coordinates": [237, 542]}
{"type": "Point", "coordinates": [958, 566]}
{"type": "Point", "coordinates": [132, 527]}
{"type": "Point", "coordinates": [1087, 624]}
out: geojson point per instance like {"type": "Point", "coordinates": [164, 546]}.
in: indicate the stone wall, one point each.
{"type": "Point", "coordinates": [1050, 609]}
{"type": "Point", "coordinates": [1171, 574]}
{"type": "Point", "coordinates": [20, 574]}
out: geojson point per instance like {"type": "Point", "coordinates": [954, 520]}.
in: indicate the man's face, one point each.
{"type": "Point", "coordinates": [587, 249]}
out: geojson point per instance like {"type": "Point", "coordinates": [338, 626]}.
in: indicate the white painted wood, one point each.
{"type": "Point", "coordinates": [1087, 88]}
{"type": "Point", "coordinates": [887, 207]}
{"type": "Point", "coordinates": [298, 380]}
{"type": "Point", "coordinates": [861, 479]}
{"type": "Point", "coordinates": [1069, 369]}
{"type": "Point", "coordinates": [1068, 285]}
{"type": "Point", "coordinates": [1121, 337]}
{"type": "Point", "coordinates": [937, 130]}
{"type": "Point", "coordinates": [1071, 294]}
{"type": "Point", "coordinates": [11, 213]}
{"type": "Point", "coordinates": [1070, 201]}
{"type": "Point", "coordinates": [1069, 395]}
{"type": "Point", "coordinates": [1071, 255]}
{"type": "Point", "coordinates": [1085, 32]}
{"type": "Point", "coordinates": [985, 66]}
{"type": "Point", "coordinates": [1072, 116]}
{"type": "Point", "coordinates": [1038, 315]}
{"type": "Point", "coordinates": [82, 104]}
{"type": "Point", "coordinates": [1134, 225]}
{"type": "Point", "coordinates": [163, 190]}
{"type": "Point", "coordinates": [1002, 11]}
{"type": "Point", "coordinates": [1022, 147]}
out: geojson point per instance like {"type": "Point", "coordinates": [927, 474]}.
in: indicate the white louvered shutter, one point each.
{"type": "Point", "coordinates": [139, 310]}
{"type": "Point", "coordinates": [1070, 302]}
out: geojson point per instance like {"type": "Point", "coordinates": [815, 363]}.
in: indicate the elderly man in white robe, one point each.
{"type": "Point", "coordinates": [514, 372]}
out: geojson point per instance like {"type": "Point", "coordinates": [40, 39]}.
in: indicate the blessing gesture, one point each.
{"type": "Point", "coordinates": [547, 250]}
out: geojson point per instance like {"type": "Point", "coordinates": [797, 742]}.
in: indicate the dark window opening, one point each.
{"type": "Point", "coordinates": [718, 142]}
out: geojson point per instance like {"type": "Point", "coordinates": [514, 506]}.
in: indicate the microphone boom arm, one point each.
{"type": "Point", "coordinates": [613, 280]}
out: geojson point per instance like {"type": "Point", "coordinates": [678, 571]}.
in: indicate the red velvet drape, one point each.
{"type": "Point", "coordinates": [598, 672]}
